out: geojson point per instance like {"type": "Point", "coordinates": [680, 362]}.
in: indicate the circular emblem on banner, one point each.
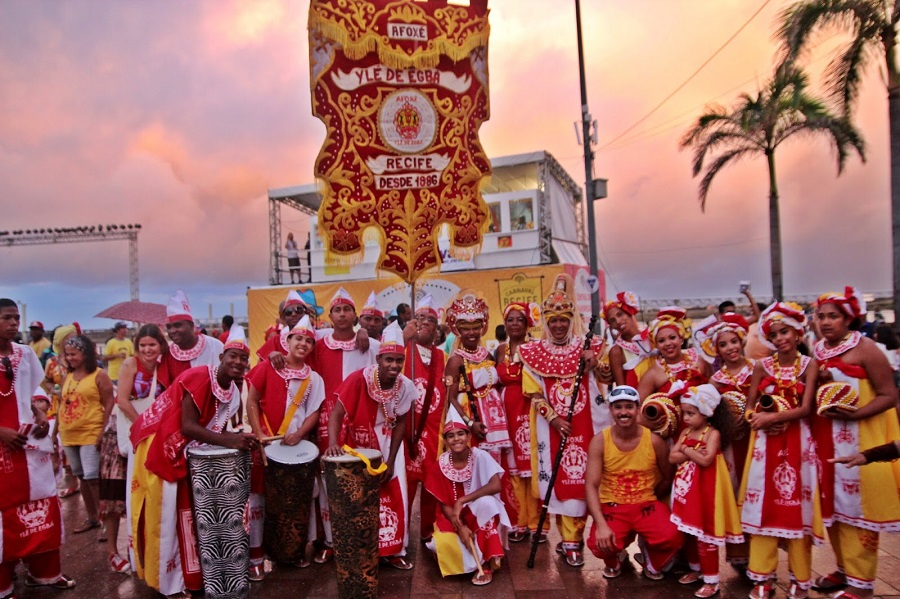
{"type": "Point", "coordinates": [407, 121]}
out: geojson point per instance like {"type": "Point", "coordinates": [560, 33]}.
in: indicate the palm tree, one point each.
{"type": "Point", "coordinates": [873, 28]}
{"type": "Point", "coordinates": [756, 126]}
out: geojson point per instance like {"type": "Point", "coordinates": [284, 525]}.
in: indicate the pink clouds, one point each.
{"type": "Point", "coordinates": [181, 115]}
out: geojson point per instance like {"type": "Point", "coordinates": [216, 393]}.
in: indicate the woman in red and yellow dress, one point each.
{"type": "Point", "coordinates": [674, 370]}
{"type": "Point", "coordinates": [856, 506]}
{"type": "Point", "coordinates": [779, 494]}
{"type": "Point", "coordinates": [727, 339]}
{"type": "Point", "coordinates": [518, 319]}
{"type": "Point", "coordinates": [628, 355]}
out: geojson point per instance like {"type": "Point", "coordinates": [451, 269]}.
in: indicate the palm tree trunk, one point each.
{"type": "Point", "coordinates": [774, 230]}
{"type": "Point", "coordinates": [889, 40]}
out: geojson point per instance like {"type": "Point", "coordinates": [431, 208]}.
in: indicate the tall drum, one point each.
{"type": "Point", "coordinates": [220, 480]}
{"type": "Point", "coordinates": [290, 476]}
{"type": "Point", "coordinates": [353, 497]}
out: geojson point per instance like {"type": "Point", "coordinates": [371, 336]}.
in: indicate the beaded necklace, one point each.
{"type": "Point", "coordinates": [476, 356]}
{"type": "Point", "coordinates": [186, 355]}
{"type": "Point", "coordinates": [735, 380]}
{"type": "Point", "coordinates": [514, 363]}
{"type": "Point", "coordinates": [14, 359]}
{"type": "Point", "coordinates": [783, 386]}
{"type": "Point", "coordinates": [383, 396]}
{"type": "Point", "coordinates": [223, 396]}
{"type": "Point", "coordinates": [685, 364]}
{"type": "Point", "coordinates": [457, 475]}
{"type": "Point", "coordinates": [823, 352]}
{"type": "Point", "coordinates": [487, 388]}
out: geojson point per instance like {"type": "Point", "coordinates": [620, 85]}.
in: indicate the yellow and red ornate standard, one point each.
{"type": "Point", "coordinates": [402, 88]}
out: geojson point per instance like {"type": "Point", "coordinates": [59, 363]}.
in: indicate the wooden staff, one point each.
{"type": "Point", "coordinates": [576, 389]}
{"type": "Point", "coordinates": [475, 555]}
{"type": "Point", "coordinates": [262, 449]}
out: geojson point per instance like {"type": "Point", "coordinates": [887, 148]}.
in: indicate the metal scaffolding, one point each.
{"type": "Point", "coordinates": [82, 235]}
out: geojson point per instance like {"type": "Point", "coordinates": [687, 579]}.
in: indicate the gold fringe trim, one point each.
{"type": "Point", "coordinates": [394, 58]}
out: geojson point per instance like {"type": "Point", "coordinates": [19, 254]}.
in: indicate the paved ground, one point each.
{"type": "Point", "coordinates": [84, 559]}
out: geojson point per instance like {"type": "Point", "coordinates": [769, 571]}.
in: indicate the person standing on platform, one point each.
{"type": "Point", "coordinates": [188, 348]}
{"type": "Point", "coordinates": [376, 401]}
{"type": "Point", "coordinates": [293, 256]}
{"type": "Point", "coordinates": [29, 508]}
{"type": "Point", "coordinates": [195, 408]}
{"type": "Point", "coordinates": [549, 379]}
{"type": "Point", "coordinates": [424, 365]}
{"type": "Point", "coordinates": [856, 504]}
{"type": "Point", "coordinates": [117, 349]}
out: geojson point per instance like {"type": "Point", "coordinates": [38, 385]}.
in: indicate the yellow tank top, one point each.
{"type": "Point", "coordinates": [80, 411]}
{"type": "Point", "coordinates": [628, 477]}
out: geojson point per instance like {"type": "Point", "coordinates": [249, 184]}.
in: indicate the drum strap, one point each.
{"type": "Point", "coordinates": [373, 471]}
{"type": "Point", "coordinates": [292, 409]}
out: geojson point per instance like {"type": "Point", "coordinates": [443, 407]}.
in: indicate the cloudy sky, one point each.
{"type": "Point", "coordinates": [180, 115]}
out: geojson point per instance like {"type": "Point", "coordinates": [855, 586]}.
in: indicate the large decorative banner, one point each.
{"type": "Point", "coordinates": [402, 88]}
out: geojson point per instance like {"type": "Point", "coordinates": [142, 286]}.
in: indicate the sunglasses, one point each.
{"type": "Point", "coordinates": [291, 311]}
{"type": "Point", "coordinates": [621, 391]}
{"type": "Point", "coordinates": [7, 368]}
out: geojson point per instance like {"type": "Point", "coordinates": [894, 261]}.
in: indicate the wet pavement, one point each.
{"type": "Point", "coordinates": [85, 560]}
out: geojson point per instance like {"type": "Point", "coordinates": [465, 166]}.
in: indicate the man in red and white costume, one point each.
{"type": "Point", "coordinates": [335, 357]}
{"type": "Point", "coordinates": [627, 356]}
{"type": "Point", "coordinates": [376, 401]}
{"type": "Point", "coordinates": [187, 348]}
{"type": "Point", "coordinates": [292, 309]}
{"type": "Point", "coordinates": [424, 366]}
{"type": "Point", "coordinates": [371, 317]}
{"type": "Point", "coordinates": [549, 378]}
{"type": "Point", "coordinates": [30, 520]}
{"type": "Point", "coordinates": [195, 409]}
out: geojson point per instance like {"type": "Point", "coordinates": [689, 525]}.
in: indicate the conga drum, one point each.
{"type": "Point", "coordinates": [353, 497]}
{"type": "Point", "coordinates": [220, 481]}
{"type": "Point", "coordinates": [290, 475]}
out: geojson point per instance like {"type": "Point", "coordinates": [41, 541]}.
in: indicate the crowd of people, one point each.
{"type": "Point", "coordinates": [673, 433]}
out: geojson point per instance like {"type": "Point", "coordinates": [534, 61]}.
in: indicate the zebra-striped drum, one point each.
{"type": "Point", "coordinates": [220, 480]}
{"type": "Point", "coordinates": [353, 497]}
{"type": "Point", "coordinates": [290, 476]}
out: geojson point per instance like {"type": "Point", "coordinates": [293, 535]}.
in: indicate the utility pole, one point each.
{"type": "Point", "coordinates": [590, 186]}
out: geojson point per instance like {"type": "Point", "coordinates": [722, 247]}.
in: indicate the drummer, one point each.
{"type": "Point", "coordinates": [284, 403]}
{"type": "Point", "coordinates": [376, 400]}
{"type": "Point", "coordinates": [195, 408]}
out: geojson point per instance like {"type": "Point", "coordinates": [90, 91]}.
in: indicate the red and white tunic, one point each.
{"type": "Point", "coordinates": [372, 413]}
{"type": "Point", "coordinates": [428, 363]}
{"type": "Point", "coordinates": [205, 352]}
{"type": "Point", "coordinates": [336, 360]}
{"type": "Point", "coordinates": [551, 370]}
{"type": "Point", "coordinates": [30, 519]}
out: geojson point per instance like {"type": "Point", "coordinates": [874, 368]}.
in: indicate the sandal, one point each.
{"type": "Point", "coordinates": [762, 590]}
{"type": "Point", "coordinates": [257, 573]}
{"type": "Point", "coordinates": [612, 572]}
{"type": "Point", "coordinates": [690, 578]}
{"type": "Point", "coordinates": [541, 537]}
{"type": "Point", "coordinates": [845, 595]}
{"type": "Point", "coordinates": [101, 535]}
{"type": "Point", "coordinates": [517, 536]}
{"type": "Point", "coordinates": [830, 582]}
{"type": "Point", "coordinates": [119, 564]}
{"type": "Point", "coordinates": [302, 563]}
{"type": "Point", "coordinates": [707, 590]}
{"type": "Point", "coordinates": [482, 579]}
{"type": "Point", "coordinates": [63, 582]}
{"type": "Point", "coordinates": [68, 492]}
{"type": "Point", "coordinates": [323, 556]}
{"type": "Point", "coordinates": [86, 526]}
{"type": "Point", "coordinates": [575, 558]}
{"type": "Point", "coordinates": [400, 562]}
{"type": "Point", "coordinates": [795, 592]}
{"type": "Point", "coordinates": [653, 575]}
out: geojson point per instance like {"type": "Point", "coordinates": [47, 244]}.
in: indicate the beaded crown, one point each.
{"type": "Point", "coordinates": [468, 307]}
{"type": "Point", "coordinates": [559, 301]}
